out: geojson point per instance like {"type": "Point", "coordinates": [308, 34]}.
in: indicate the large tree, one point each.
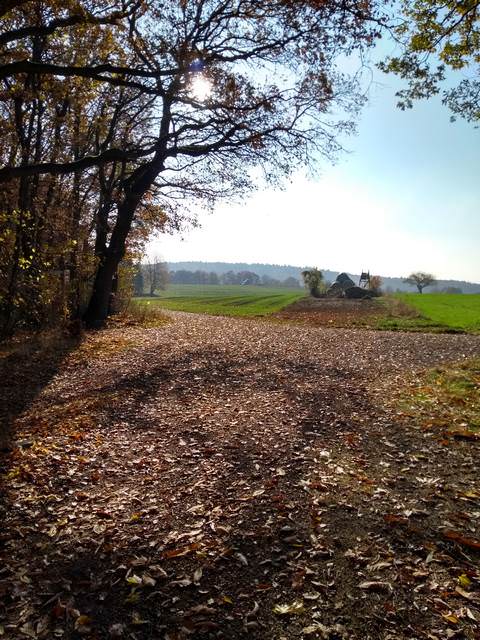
{"type": "Point", "coordinates": [420, 280]}
{"type": "Point", "coordinates": [54, 228]}
{"type": "Point", "coordinates": [227, 89]}
{"type": "Point", "coordinates": [438, 38]}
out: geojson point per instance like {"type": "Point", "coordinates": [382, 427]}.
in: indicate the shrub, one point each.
{"type": "Point", "coordinates": [313, 280]}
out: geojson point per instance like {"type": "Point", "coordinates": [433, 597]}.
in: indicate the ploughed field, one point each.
{"type": "Point", "coordinates": [213, 478]}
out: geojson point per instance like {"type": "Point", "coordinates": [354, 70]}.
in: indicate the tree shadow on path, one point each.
{"type": "Point", "coordinates": [216, 487]}
{"type": "Point", "coordinates": [26, 367]}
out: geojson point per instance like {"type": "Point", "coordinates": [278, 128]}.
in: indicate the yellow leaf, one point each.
{"type": "Point", "coordinates": [82, 621]}
{"type": "Point", "coordinates": [450, 618]}
{"type": "Point", "coordinates": [133, 597]}
{"type": "Point", "coordinates": [473, 494]}
{"type": "Point", "coordinates": [137, 620]}
{"type": "Point", "coordinates": [464, 581]}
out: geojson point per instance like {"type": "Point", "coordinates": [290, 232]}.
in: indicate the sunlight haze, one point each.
{"type": "Point", "coordinates": [404, 197]}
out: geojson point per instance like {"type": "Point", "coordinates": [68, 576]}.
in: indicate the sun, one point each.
{"type": "Point", "coordinates": [200, 88]}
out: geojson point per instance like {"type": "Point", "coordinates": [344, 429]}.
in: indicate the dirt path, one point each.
{"type": "Point", "coordinates": [220, 478]}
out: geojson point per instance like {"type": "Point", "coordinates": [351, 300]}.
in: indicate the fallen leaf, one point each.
{"type": "Point", "coordinates": [470, 614]}
{"type": "Point", "coordinates": [296, 608]}
{"type": "Point", "coordinates": [464, 581]}
{"type": "Point", "coordinates": [458, 537]}
{"type": "Point", "coordinates": [197, 576]}
{"type": "Point", "coordinates": [201, 609]}
{"type": "Point", "coordinates": [463, 434]}
{"type": "Point", "coordinates": [465, 594]}
{"type": "Point", "coordinates": [450, 617]}
{"type": "Point", "coordinates": [133, 597]}
{"type": "Point", "coordinates": [375, 586]}
{"type": "Point", "coordinates": [391, 518]}
{"type": "Point", "coordinates": [148, 581]}
{"type": "Point", "coordinates": [242, 559]}
{"type": "Point", "coordinates": [137, 620]}
{"type": "Point", "coordinates": [183, 582]}
{"type": "Point", "coordinates": [379, 565]}
{"type": "Point", "coordinates": [135, 517]}
{"type": "Point", "coordinates": [176, 553]}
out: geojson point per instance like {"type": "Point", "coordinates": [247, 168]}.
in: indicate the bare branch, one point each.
{"type": "Point", "coordinates": [61, 168]}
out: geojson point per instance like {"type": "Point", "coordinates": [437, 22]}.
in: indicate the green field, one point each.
{"type": "Point", "coordinates": [436, 312]}
{"type": "Point", "coordinates": [224, 300]}
{"type": "Point", "coordinates": [405, 311]}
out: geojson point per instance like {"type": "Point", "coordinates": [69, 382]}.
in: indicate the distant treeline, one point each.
{"type": "Point", "coordinates": [281, 272]}
{"type": "Point", "coordinates": [157, 275]}
{"type": "Point", "coordinates": [184, 276]}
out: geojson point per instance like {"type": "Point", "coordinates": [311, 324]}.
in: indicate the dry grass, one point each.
{"type": "Point", "coordinates": [146, 314]}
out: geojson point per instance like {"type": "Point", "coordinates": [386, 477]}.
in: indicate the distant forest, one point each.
{"type": "Point", "coordinates": [274, 274]}
{"type": "Point", "coordinates": [245, 276]}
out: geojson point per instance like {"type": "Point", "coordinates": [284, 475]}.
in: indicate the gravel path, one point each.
{"type": "Point", "coordinates": [230, 478]}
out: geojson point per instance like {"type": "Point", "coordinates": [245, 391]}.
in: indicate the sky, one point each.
{"type": "Point", "coordinates": [406, 197]}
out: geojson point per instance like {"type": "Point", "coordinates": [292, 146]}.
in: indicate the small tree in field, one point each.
{"type": "Point", "coordinates": [420, 280]}
{"type": "Point", "coordinates": [158, 276]}
{"type": "Point", "coordinates": [138, 281]}
{"type": "Point", "coordinates": [313, 280]}
{"type": "Point", "coordinates": [375, 285]}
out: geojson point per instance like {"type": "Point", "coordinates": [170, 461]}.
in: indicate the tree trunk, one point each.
{"type": "Point", "coordinates": [139, 183]}
{"type": "Point", "coordinates": [113, 304]}
{"type": "Point", "coordinates": [97, 310]}
{"type": "Point", "coordinates": [98, 307]}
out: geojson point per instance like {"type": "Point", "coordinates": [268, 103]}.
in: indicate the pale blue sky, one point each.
{"type": "Point", "coordinates": [406, 197]}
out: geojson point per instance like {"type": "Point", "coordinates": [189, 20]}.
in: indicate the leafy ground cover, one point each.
{"type": "Point", "coordinates": [233, 300]}
{"type": "Point", "coordinates": [214, 478]}
{"type": "Point", "coordinates": [447, 401]}
{"type": "Point", "coordinates": [434, 312]}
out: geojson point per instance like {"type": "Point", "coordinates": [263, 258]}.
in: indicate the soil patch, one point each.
{"type": "Point", "coordinates": [333, 312]}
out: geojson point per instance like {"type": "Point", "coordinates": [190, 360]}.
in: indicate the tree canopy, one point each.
{"type": "Point", "coordinates": [438, 38]}
{"type": "Point", "coordinates": [128, 109]}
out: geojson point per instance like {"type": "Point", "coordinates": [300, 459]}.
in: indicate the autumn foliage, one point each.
{"type": "Point", "coordinates": [114, 116]}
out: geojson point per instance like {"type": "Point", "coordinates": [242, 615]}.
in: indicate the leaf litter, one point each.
{"type": "Point", "coordinates": [218, 478]}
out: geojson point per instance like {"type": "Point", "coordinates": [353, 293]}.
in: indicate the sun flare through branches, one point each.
{"type": "Point", "coordinates": [201, 88]}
